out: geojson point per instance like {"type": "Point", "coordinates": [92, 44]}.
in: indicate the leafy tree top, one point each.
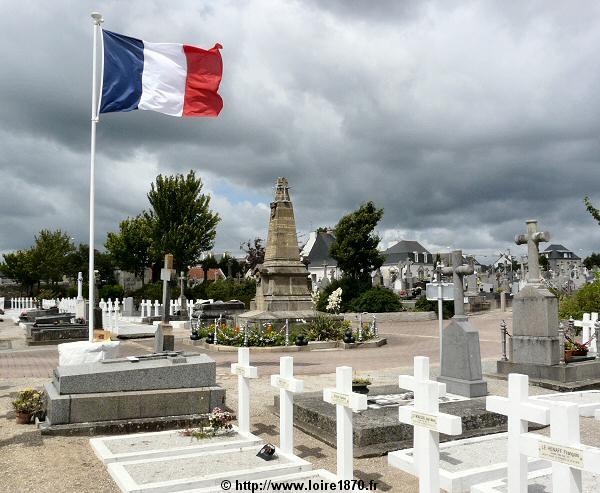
{"type": "Point", "coordinates": [130, 247]}
{"type": "Point", "coordinates": [255, 252]}
{"type": "Point", "coordinates": [591, 209]}
{"type": "Point", "coordinates": [355, 245]}
{"type": "Point", "coordinates": [182, 222]}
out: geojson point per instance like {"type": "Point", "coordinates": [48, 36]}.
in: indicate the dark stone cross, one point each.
{"type": "Point", "coordinates": [164, 340]}
{"type": "Point", "coordinates": [458, 271]}
{"type": "Point", "coordinates": [533, 238]}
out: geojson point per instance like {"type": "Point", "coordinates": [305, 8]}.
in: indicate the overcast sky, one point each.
{"type": "Point", "coordinates": [461, 119]}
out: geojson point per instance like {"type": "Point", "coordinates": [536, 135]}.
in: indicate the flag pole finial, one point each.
{"type": "Point", "coordinates": [97, 16]}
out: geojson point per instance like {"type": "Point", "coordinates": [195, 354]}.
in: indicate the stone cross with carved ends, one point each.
{"type": "Point", "coordinates": [533, 238]}
{"type": "Point", "coordinates": [428, 423]}
{"type": "Point", "coordinates": [458, 271]}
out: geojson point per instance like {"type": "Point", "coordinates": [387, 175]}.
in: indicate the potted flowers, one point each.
{"type": "Point", "coordinates": [360, 384]}
{"type": "Point", "coordinates": [28, 403]}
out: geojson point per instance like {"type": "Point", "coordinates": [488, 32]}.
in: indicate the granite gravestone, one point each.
{"type": "Point", "coordinates": [128, 309]}
{"type": "Point", "coordinates": [535, 309]}
{"type": "Point", "coordinates": [461, 357]}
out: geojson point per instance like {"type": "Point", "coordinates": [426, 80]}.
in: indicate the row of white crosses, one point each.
{"type": "Point", "coordinates": [146, 308]}
{"type": "Point", "coordinates": [22, 303]}
{"type": "Point", "coordinates": [563, 448]}
{"type": "Point", "coordinates": [588, 324]}
{"type": "Point", "coordinates": [342, 396]}
{"type": "Point", "coordinates": [110, 314]}
{"type": "Point", "coordinates": [67, 305]}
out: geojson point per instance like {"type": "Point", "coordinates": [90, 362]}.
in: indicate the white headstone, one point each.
{"type": "Point", "coordinates": [79, 286]}
{"type": "Point", "coordinates": [288, 386]}
{"type": "Point", "coordinates": [520, 410]}
{"type": "Point", "coordinates": [244, 372]}
{"type": "Point", "coordinates": [428, 422]}
{"type": "Point", "coordinates": [345, 402]}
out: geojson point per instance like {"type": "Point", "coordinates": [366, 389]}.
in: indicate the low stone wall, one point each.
{"type": "Point", "coordinates": [393, 316]}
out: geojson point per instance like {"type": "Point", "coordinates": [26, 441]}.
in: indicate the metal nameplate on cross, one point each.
{"type": "Point", "coordinates": [345, 401]}
{"type": "Point", "coordinates": [533, 238]}
{"type": "Point", "coordinates": [428, 423]}
{"type": "Point", "coordinates": [520, 410]}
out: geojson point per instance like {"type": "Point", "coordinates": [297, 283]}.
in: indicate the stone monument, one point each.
{"type": "Point", "coordinates": [183, 310]}
{"type": "Point", "coordinates": [537, 349]}
{"type": "Point", "coordinates": [164, 340]}
{"type": "Point", "coordinates": [461, 356]}
{"type": "Point", "coordinates": [148, 392]}
{"type": "Point", "coordinates": [282, 288]}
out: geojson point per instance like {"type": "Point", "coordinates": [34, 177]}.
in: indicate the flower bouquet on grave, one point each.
{"type": "Point", "coordinates": [219, 424]}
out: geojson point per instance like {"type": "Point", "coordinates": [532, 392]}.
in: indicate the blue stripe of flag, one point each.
{"type": "Point", "coordinates": [123, 67]}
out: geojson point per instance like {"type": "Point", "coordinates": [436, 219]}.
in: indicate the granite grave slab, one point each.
{"type": "Point", "coordinates": [377, 430]}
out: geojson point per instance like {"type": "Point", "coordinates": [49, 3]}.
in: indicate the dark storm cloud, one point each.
{"type": "Point", "coordinates": [461, 119]}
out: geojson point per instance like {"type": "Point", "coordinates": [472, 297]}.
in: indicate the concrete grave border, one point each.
{"type": "Point", "coordinates": [118, 472]}
{"type": "Point", "coordinates": [107, 457]}
{"type": "Point", "coordinates": [456, 482]}
{"type": "Point", "coordinates": [493, 486]}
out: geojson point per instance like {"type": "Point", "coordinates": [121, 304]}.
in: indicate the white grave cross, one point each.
{"type": "Point", "coordinates": [428, 422]}
{"type": "Point", "coordinates": [564, 449]}
{"type": "Point", "coordinates": [345, 402]}
{"type": "Point", "coordinates": [520, 410]}
{"type": "Point", "coordinates": [588, 329]}
{"type": "Point", "coordinates": [288, 386]}
{"type": "Point", "coordinates": [244, 372]}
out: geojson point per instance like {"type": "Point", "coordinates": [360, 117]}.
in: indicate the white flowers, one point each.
{"type": "Point", "coordinates": [334, 301]}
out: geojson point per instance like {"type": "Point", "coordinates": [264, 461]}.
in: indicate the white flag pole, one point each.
{"type": "Point", "coordinates": [95, 110]}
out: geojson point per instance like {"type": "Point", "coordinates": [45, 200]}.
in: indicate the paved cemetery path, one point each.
{"type": "Point", "coordinates": [405, 340]}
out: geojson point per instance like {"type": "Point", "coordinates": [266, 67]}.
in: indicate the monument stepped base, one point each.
{"type": "Point", "coordinates": [565, 378]}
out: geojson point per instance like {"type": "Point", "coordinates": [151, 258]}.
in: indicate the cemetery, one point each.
{"type": "Point", "coordinates": [315, 270]}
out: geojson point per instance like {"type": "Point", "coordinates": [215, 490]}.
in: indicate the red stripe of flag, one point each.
{"type": "Point", "coordinates": [204, 71]}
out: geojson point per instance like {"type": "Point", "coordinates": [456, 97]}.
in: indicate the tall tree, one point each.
{"type": "Point", "coordinates": [50, 254]}
{"type": "Point", "coordinates": [103, 264]}
{"type": "Point", "coordinates": [592, 261]}
{"type": "Point", "coordinates": [255, 252]}
{"type": "Point", "coordinates": [182, 222]}
{"type": "Point", "coordinates": [355, 244]}
{"type": "Point", "coordinates": [130, 247]}
{"type": "Point", "coordinates": [591, 209]}
{"type": "Point", "coordinates": [230, 266]}
{"type": "Point", "coordinates": [19, 266]}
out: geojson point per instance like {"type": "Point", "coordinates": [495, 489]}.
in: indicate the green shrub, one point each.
{"type": "Point", "coordinates": [111, 291]}
{"type": "Point", "coordinates": [351, 289]}
{"type": "Point", "coordinates": [324, 328]}
{"type": "Point", "coordinates": [424, 305]}
{"type": "Point", "coordinates": [377, 300]}
{"type": "Point", "coordinates": [152, 291]}
{"type": "Point", "coordinates": [584, 300]}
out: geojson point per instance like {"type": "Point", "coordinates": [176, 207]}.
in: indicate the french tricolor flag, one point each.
{"type": "Point", "coordinates": [170, 78]}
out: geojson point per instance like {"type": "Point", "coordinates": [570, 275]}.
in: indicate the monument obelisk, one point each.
{"type": "Point", "coordinates": [282, 287]}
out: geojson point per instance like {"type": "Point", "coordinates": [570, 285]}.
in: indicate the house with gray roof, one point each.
{"type": "Point", "coordinates": [563, 262]}
{"type": "Point", "coordinates": [316, 255]}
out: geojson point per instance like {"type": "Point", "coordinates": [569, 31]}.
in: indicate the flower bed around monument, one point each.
{"type": "Point", "coordinates": [322, 329]}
